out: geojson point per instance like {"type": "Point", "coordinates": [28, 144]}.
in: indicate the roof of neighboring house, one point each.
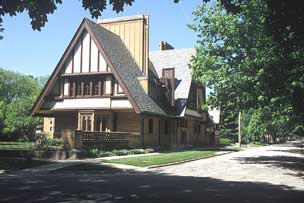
{"type": "Point", "coordinates": [180, 60]}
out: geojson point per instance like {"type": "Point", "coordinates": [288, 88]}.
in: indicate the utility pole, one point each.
{"type": "Point", "coordinates": [239, 128]}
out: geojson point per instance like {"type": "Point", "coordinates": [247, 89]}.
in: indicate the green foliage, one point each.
{"type": "Point", "coordinates": [18, 92]}
{"type": "Point", "coordinates": [94, 153]}
{"type": "Point", "coordinates": [248, 70]}
{"type": "Point", "coordinates": [45, 143]}
{"type": "Point", "coordinates": [225, 141]}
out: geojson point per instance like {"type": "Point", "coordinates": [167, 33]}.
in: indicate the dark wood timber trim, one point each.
{"type": "Point", "coordinates": [84, 74]}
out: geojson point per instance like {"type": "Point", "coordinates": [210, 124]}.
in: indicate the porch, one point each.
{"type": "Point", "coordinates": [78, 139]}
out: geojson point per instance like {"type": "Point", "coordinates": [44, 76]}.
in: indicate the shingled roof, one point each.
{"type": "Point", "coordinates": [180, 60]}
{"type": "Point", "coordinates": [126, 67]}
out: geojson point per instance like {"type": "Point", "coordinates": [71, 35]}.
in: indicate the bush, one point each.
{"type": "Point", "coordinates": [105, 154]}
{"type": "Point", "coordinates": [120, 152]}
{"type": "Point", "coordinates": [92, 153]}
{"type": "Point", "coordinates": [137, 151]}
{"type": "Point", "coordinates": [44, 143]}
{"type": "Point", "coordinates": [149, 150]}
{"type": "Point", "coordinates": [225, 141]}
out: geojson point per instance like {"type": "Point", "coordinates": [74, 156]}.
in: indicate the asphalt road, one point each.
{"type": "Point", "coordinates": [190, 182]}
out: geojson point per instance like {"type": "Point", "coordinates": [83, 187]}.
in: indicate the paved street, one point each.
{"type": "Point", "coordinates": [276, 164]}
{"type": "Point", "coordinates": [265, 174]}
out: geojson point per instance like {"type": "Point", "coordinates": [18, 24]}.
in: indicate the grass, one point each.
{"type": "Point", "coordinates": [11, 164]}
{"type": "Point", "coordinates": [87, 168]}
{"type": "Point", "coordinates": [16, 146]}
{"type": "Point", "coordinates": [163, 158]}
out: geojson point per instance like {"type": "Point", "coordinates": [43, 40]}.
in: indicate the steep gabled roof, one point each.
{"type": "Point", "coordinates": [180, 60]}
{"type": "Point", "coordinates": [121, 63]}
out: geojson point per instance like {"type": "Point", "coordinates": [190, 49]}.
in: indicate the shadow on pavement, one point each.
{"type": "Point", "coordinates": [137, 187]}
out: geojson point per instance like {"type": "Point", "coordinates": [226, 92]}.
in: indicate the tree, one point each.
{"type": "Point", "coordinates": [245, 65]}
{"type": "Point", "coordinates": [17, 94]}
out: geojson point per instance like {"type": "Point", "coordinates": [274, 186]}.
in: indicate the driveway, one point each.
{"type": "Point", "coordinates": [266, 174]}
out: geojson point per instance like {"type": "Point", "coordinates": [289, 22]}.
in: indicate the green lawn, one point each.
{"type": "Point", "coordinates": [11, 164]}
{"type": "Point", "coordinates": [16, 145]}
{"type": "Point", "coordinates": [163, 158]}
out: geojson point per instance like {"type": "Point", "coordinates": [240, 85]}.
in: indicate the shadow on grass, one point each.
{"type": "Point", "coordinates": [138, 187]}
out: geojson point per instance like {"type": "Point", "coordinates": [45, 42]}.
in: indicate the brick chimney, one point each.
{"type": "Point", "coordinates": [163, 45]}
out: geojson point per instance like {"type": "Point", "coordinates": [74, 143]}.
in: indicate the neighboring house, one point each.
{"type": "Point", "coordinates": [108, 88]}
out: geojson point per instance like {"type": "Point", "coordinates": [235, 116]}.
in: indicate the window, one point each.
{"type": "Point", "coordinates": [78, 89]}
{"type": "Point", "coordinates": [51, 129]}
{"type": "Point", "coordinates": [166, 127]}
{"type": "Point", "coordinates": [86, 87]}
{"type": "Point", "coordinates": [96, 88]}
{"type": "Point", "coordinates": [150, 125]}
{"type": "Point", "coordinates": [86, 122]}
{"type": "Point", "coordinates": [51, 122]}
{"type": "Point", "coordinates": [72, 90]}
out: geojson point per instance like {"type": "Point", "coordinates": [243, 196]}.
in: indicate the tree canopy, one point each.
{"type": "Point", "coordinates": [17, 95]}
{"type": "Point", "coordinates": [245, 64]}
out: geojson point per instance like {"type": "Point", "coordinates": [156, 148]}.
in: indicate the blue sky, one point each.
{"type": "Point", "coordinates": [37, 53]}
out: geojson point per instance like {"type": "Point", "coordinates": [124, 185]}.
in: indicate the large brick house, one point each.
{"type": "Point", "coordinates": [107, 86]}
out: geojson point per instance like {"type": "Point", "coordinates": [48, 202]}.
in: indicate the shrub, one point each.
{"type": "Point", "coordinates": [225, 141]}
{"type": "Point", "coordinates": [105, 154]}
{"type": "Point", "coordinates": [149, 150]}
{"type": "Point", "coordinates": [137, 151]}
{"type": "Point", "coordinates": [44, 143]}
{"type": "Point", "coordinates": [121, 152]}
{"type": "Point", "coordinates": [92, 153]}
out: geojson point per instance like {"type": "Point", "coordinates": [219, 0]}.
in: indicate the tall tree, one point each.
{"type": "Point", "coordinates": [243, 63]}
{"type": "Point", "coordinates": [17, 95]}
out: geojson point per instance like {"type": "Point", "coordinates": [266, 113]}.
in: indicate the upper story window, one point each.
{"type": "Point", "coordinates": [96, 88]}
{"type": "Point", "coordinates": [86, 87]}
{"type": "Point", "coordinates": [78, 89]}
